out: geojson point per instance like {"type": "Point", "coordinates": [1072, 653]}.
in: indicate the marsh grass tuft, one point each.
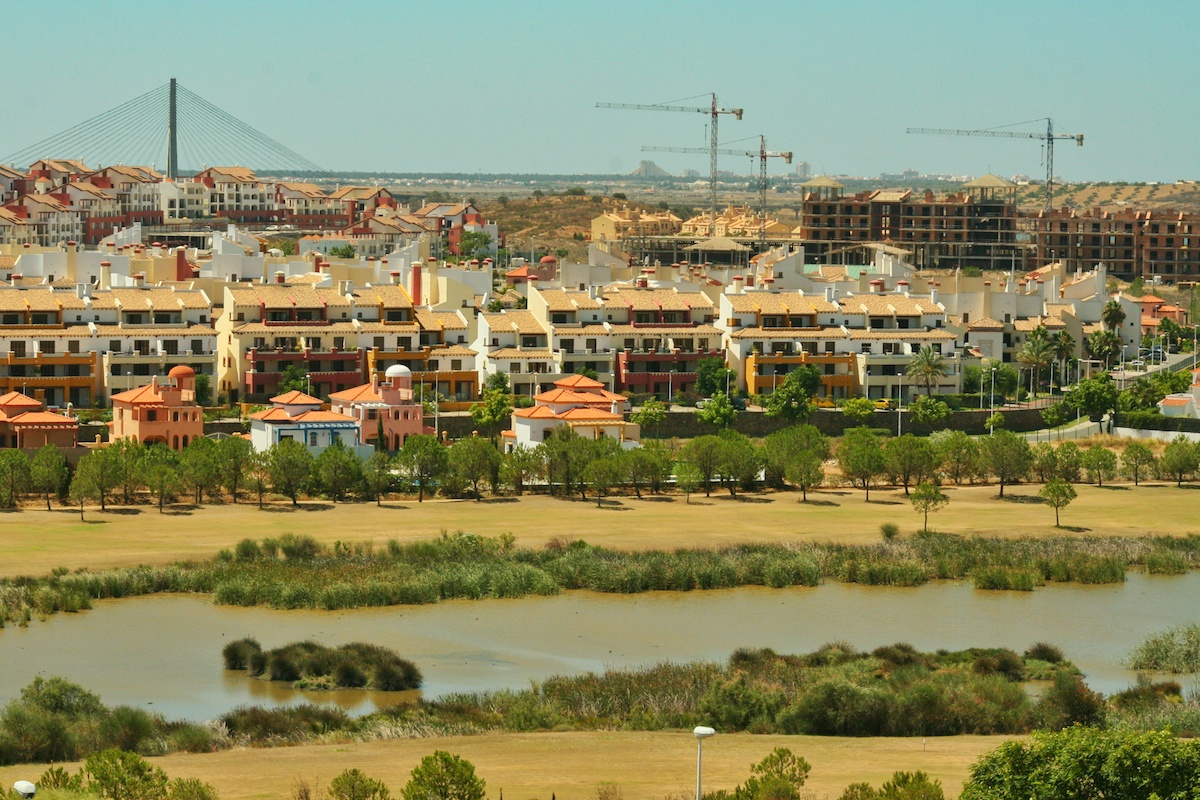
{"type": "Point", "coordinates": [310, 665]}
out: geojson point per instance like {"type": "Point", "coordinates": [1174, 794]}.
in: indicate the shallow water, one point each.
{"type": "Point", "coordinates": [163, 652]}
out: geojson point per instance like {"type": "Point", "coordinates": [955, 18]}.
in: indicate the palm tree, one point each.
{"type": "Point", "coordinates": [1112, 315]}
{"type": "Point", "coordinates": [1064, 347]}
{"type": "Point", "coordinates": [1037, 354]}
{"type": "Point", "coordinates": [1103, 345]}
{"type": "Point", "coordinates": [926, 366]}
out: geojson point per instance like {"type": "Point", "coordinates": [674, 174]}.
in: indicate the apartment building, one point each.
{"type": "Point", "coordinates": [628, 223]}
{"type": "Point", "coordinates": [974, 227]}
{"type": "Point", "coordinates": [237, 194]}
{"type": "Point", "coordinates": [734, 221]}
{"type": "Point", "coordinates": [1130, 243]}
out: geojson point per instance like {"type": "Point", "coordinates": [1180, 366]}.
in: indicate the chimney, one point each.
{"type": "Point", "coordinates": [750, 281]}
{"type": "Point", "coordinates": [415, 289]}
{"type": "Point", "coordinates": [902, 287]}
{"type": "Point", "coordinates": [105, 275]}
{"type": "Point", "coordinates": [83, 290]}
{"type": "Point", "coordinates": [139, 279]}
{"type": "Point", "coordinates": [876, 287]}
{"type": "Point", "coordinates": [395, 274]}
{"type": "Point", "coordinates": [933, 295]}
{"type": "Point", "coordinates": [830, 294]}
{"type": "Point", "coordinates": [374, 381]}
{"type": "Point", "coordinates": [183, 270]}
{"type": "Point", "coordinates": [345, 287]}
{"type": "Point", "coordinates": [280, 276]}
{"type": "Point", "coordinates": [739, 284]}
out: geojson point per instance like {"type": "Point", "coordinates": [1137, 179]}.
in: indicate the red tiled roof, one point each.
{"type": "Point", "coordinates": [296, 398]}
{"type": "Point", "coordinates": [579, 382]}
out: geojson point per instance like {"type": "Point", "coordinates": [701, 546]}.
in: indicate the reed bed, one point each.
{"type": "Point", "coordinates": [298, 572]}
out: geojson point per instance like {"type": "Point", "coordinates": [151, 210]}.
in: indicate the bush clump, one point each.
{"type": "Point", "coordinates": [314, 666]}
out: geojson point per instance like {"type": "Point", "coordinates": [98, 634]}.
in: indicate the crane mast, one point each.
{"type": "Point", "coordinates": [1048, 137]}
{"type": "Point", "coordinates": [762, 154]}
{"type": "Point", "coordinates": [713, 111]}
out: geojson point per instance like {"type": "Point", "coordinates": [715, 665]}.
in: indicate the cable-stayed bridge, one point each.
{"type": "Point", "coordinates": [169, 125]}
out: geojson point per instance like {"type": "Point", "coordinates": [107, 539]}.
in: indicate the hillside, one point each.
{"type": "Point", "coordinates": [552, 222]}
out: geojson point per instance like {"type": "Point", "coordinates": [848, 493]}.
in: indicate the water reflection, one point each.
{"type": "Point", "coordinates": [164, 652]}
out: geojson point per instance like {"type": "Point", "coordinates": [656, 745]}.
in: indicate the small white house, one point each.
{"type": "Point", "coordinates": [298, 416]}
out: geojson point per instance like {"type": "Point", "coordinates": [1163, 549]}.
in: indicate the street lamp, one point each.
{"type": "Point", "coordinates": [991, 424]}
{"type": "Point", "coordinates": [899, 403]}
{"type": "Point", "coordinates": [701, 733]}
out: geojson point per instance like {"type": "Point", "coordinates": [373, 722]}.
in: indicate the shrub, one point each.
{"type": "Point", "coordinates": [889, 530]}
{"type": "Point", "coordinates": [354, 785]}
{"type": "Point", "coordinates": [1044, 651]}
{"type": "Point", "coordinates": [127, 729]}
{"type": "Point", "coordinates": [237, 654]}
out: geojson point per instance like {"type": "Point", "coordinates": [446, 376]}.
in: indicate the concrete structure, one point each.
{"type": "Point", "coordinates": [1130, 243]}
{"type": "Point", "coordinates": [160, 412]}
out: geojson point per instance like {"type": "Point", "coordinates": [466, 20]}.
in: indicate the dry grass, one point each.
{"type": "Point", "coordinates": [35, 541]}
{"type": "Point", "coordinates": [645, 766]}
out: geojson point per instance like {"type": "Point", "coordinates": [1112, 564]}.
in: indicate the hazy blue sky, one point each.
{"type": "Point", "coordinates": [511, 86]}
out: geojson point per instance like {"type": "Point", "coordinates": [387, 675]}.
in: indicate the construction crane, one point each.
{"type": "Point", "coordinates": [1049, 136]}
{"type": "Point", "coordinates": [762, 154]}
{"type": "Point", "coordinates": [713, 111]}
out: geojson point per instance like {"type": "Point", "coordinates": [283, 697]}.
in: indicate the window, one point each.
{"type": "Point", "coordinates": [46, 347]}
{"type": "Point", "coordinates": [514, 367]}
{"type": "Point", "coordinates": [73, 346]}
{"type": "Point", "coordinates": [312, 439]}
{"type": "Point", "coordinates": [197, 346]}
{"type": "Point", "coordinates": [456, 365]}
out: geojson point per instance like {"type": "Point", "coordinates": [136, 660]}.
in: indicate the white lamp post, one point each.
{"type": "Point", "coordinates": [701, 733]}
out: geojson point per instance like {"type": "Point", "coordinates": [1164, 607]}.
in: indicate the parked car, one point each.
{"type": "Point", "coordinates": [884, 404]}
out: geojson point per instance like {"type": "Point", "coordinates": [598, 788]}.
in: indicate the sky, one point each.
{"type": "Point", "coordinates": [502, 87]}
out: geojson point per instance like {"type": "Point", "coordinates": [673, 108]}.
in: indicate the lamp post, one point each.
{"type": "Point", "coordinates": [991, 425]}
{"type": "Point", "coordinates": [899, 403]}
{"type": "Point", "coordinates": [701, 733]}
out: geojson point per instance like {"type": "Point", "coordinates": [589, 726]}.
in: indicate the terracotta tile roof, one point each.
{"type": "Point", "coordinates": [18, 400]}
{"type": "Point", "coordinates": [780, 303]}
{"type": "Point", "coordinates": [1032, 323]}
{"type": "Point", "coordinates": [655, 299]}
{"type": "Point", "coordinates": [789, 333]}
{"type": "Point", "coordinates": [275, 295]}
{"type": "Point", "coordinates": [887, 305]}
{"type": "Point", "coordinates": [514, 353]}
{"type": "Point", "coordinates": [40, 298]}
{"type": "Point", "coordinates": [584, 414]}
{"type": "Point", "coordinates": [152, 297]}
{"type": "Point", "coordinates": [561, 300]}
{"type": "Point", "coordinates": [388, 294]}
{"type": "Point", "coordinates": [302, 329]}
{"type": "Point", "coordinates": [676, 332]}
{"type": "Point", "coordinates": [442, 320]}
{"type": "Point", "coordinates": [522, 322]}
{"type": "Point", "coordinates": [323, 416]}
{"type": "Point", "coordinates": [535, 412]}
{"type": "Point", "coordinates": [296, 398]}
{"type": "Point", "coordinates": [359, 394]}
{"type": "Point", "coordinates": [1174, 401]}
{"type": "Point", "coordinates": [150, 394]}
{"type": "Point", "coordinates": [43, 418]}
{"type": "Point", "coordinates": [271, 415]}
{"type": "Point", "coordinates": [595, 329]}
{"type": "Point", "coordinates": [901, 334]}
{"type": "Point", "coordinates": [579, 382]}
{"type": "Point", "coordinates": [568, 396]}
{"type": "Point", "coordinates": [311, 279]}
{"type": "Point", "coordinates": [985, 324]}
{"type": "Point", "coordinates": [452, 350]}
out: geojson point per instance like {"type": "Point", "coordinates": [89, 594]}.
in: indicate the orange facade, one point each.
{"type": "Point", "coordinates": [164, 413]}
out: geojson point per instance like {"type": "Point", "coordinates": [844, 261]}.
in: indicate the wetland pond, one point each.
{"type": "Point", "coordinates": [163, 652]}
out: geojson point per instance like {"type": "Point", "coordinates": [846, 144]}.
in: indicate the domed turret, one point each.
{"type": "Point", "coordinates": [398, 376]}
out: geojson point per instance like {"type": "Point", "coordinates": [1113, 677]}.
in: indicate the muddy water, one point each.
{"type": "Point", "coordinates": [163, 652]}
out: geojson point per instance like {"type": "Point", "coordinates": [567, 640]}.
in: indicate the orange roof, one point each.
{"type": "Point", "coordinates": [322, 416]}
{"type": "Point", "coordinates": [579, 382]}
{"type": "Point", "coordinates": [359, 394]}
{"type": "Point", "coordinates": [43, 418]}
{"type": "Point", "coordinates": [1174, 401]}
{"type": "Point", "coordinates": [18, 399]}
{"type": "Point", "coordinates": [535, 412]}
{"type": "Point", "coordinates": [143, 395]}
{"type": "Point", "coordinates": [578, 414]}
{"type": "Point", "coordinates": [271, 414]}
{"type": "Point", "coordinates": [296, 398]}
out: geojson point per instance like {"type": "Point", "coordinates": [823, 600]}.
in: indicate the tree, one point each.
{"type": "Point", "coordinates": [1093, 396]}
{"type": "Point", "coordinates": [14, 476]}
{"type": "Point", "coordinates": [1059, 494]}
{"type": "Point", "coordinates": [994, 422]}
{"type": "Point", "coordinates": [203, 390]}
{"type": "Point", "coordinates": [602, 474]}
{"type": "Point", "coordinates": [377, 476]}
{"type": "Point", "coordinates": [48, 472]}
{"type": "Point", "coordinates": [805, 472]}
{"type": "Point", "coordinates": [567, 456]}
{"type": "Point", "coordinates": [423, 459]}
{"type": "Point", "coordinates": [1045, 461]}
{"type": "Point", "coordinates": [957, 453]}
{"type": "Point", "coordinates": [1037, 353]}
{"type": "Point", "coordinates": [495, 409]}
{"type": "Point", "coordinates": [95, 477]}
{"type": "Point", "coordinates": [928, 410]}
{"type": "Point", "coordinates": [474, 243]}
{"type": "Point", "coordinates": [793, 399]}
{"type": "Point", "coordinates": [861, 459]}
{"type": "Point", "coordinates": [1112, 315]}
{"type": "Point", "coordinates": [926, 367]}
{"type": "Point", "coordinates": [1063, 344]}
{"type": "Point", "coordinates": [442, 776]}
{"type": "Point", "coordinates": [355, 785]}
{"type": "Point", "coordinates": [704, 453]}
{"type": "Point", "coordinates": [497, 380]}
{"type": "Point", "coordinates": [1087, 762]}
{"type": "Point", "coordinates": [638, 468]}
{"type": "Point", "coordinates": [1006, 456]}
{"type": "Point", "coordinates": [712, 376]}
{"type": "Point", "coordinates": [651, 414]}
{"type": "Point", "coordinates": [687, 479]}
{"type": "Point", "coordinates": [118, 775]}
{"type": "Point", "coordinates": [859, 410]}
{"type": "Point", "coordinates": [718, 411]}
{"type": "Point", "coordinates": [739, 461]}
{"type": "Point", "coordinates": [293, 378]}
{"type": "Point", "coordinates": [1135, 458]}
{"type": "Point", "coordinates": [160, 472]}
{"type": "Point", "coordinates": [290, 466]}
{"type": "Point", "coordinates": [928, 497]}
{"type": "Point", "coordinates": [1103, 345]}
{"type": "Point", "coordinates": [1178, 459]}
{"type": "Point", "coordinates": [1056, 414]}
{"type": "Point", "coordinates": [342, 251]}
{"type": "Point", "coordinates": [779, 776]}
{"type": "Point", "coordinates": [126, 456]}
{"type": "Point", "coordinates": [909, 459]}
{"type": "Point", "coordinates": [1100, 463]}
{"type": "Point", "coordinates": [474, 460]}
{"type": "Point", "coordinates": [200, 466]}
{"type": "Point", "coordinates": [785, 448]}
{"type": "Point", "coordinates": [337, 470]}
{"type": "Point", "coordinates": [521, 465]}
{"type": "Point", "coordinates": [661, 460]}
{"type": "Point", "coordinates": [258, 475]}
{"type": "Point", "coordinates": [233, 459]}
